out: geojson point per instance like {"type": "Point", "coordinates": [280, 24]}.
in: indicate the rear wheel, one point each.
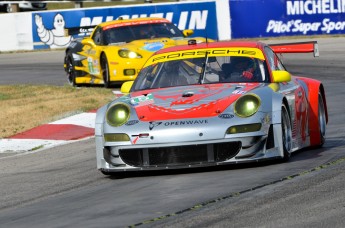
{"type": "Point", "coordinates": [286, 133]}
{"type": "Point", "coordinates": [105, 71]}
{"type": "Point", "coordinates": [322, 119]}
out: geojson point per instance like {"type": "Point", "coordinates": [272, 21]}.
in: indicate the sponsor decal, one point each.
{"type": "Point", "coordinates": [154, 124]}
{"type": "Point", "coordinates": [81, 31]}
{"type": "Point", "coordinates": [237, 91]}
{"type": "Point", "coordinates": [304, 8]}
{"type": "Point", "coordinates": [56, 37]}
{"type": "Point", "coordinates": [142, 100]}
{"type": "Point", "coordinates": [132, 23]}
{"type": "Point", "coordinates": [91, 64]}
{"type": "Point", "coordinates": [135, 139]}
{"type": "Point", "coordinates": [177, 123]}
{"type": "Point", "coordinates": [132, 122]}
{"type": "Point", "coordinates": [185, 122]}
{"type": "Point", "coordinates": [300, 7]}
{"type": "Point", "coordinates": [287, 18]}
{"type": "Point", "coordinates": [226, 116]}
{"type": "Point", "coordinates": [197, 19]}
{"type": "Point", "coordinates": [142, 135]}
{"type": "Point", "coordinates": [298, 26]}
{"type": "Point", "coordinates": [252, 52]}
{"type": "Point", "coordinates": [153, 47]}
{"type": "Point", "coordinates": [57, 29]}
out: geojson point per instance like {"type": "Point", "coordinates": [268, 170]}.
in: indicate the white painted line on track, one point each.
{"type": "Point", "coordinates": [30, 146]}
{"type": "Point", "coordinates": [23, 145]}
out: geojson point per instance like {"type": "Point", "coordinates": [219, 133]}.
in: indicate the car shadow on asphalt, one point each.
{"type": "Point", "coordinates": [181, 171]}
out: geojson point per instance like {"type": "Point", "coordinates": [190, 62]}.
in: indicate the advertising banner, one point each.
{"type": "Point", "coordinates": [56, 29]}
{"type": "Point", "coordinates": [271, 18]}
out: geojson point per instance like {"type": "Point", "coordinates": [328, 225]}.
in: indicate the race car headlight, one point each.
{"type": "Point", "coordinates": [124, 53]}
{"type": "Point", "coordinates": [118, 114]}
{"type": "Point", "coordinates": [247, 105]}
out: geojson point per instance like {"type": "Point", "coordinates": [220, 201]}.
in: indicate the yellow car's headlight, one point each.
{"type": "Point", "coordinates": [247, 105]}
{"type": "Point", "coordinates": [125, 53]}
{"type": "Point", "coordinates": [118, 114]}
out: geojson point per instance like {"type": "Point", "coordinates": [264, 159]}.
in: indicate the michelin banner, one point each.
{"type": "Point", "coordinates": [216, 19]}
{"type": "Point", "coordinates": [272, 18]}
{"type": "Point", "coordinates": [56, 29]}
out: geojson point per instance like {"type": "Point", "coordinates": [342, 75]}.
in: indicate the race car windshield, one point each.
{"type": "Point", "coordinates": [127, 34]}
{"type": "Point", "coordinates": [210, 69]}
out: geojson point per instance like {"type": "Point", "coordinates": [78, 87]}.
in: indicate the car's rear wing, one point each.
{"type": "Point", "coordinates": [298, 47]}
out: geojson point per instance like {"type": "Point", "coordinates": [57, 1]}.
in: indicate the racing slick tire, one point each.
{"type": "Point", "coordinates": [286, 133]}
{"type": "Point", "coordinates": [105, 71]}
{"type": "Point", "coordinates": [70, 71]}
{"type": "Point", "coordinates": [322, 119]}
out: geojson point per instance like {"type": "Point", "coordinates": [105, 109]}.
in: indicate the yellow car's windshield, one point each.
{"type": "Point", "coordinates": [126, 34]}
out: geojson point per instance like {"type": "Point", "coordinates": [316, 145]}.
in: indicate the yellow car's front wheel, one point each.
{"type": "Point", "coordinates": [105, 71]}
{"type": "Point", "coordinates": [70, 71]}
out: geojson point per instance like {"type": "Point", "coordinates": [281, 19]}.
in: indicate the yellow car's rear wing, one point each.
{"type": "Point", "coordinates": [298, 47]}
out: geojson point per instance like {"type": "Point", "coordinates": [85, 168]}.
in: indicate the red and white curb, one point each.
{"type": "Point", "coordinates": [59, 132]}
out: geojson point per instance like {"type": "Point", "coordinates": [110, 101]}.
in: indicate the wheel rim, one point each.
{"type": "Point", "coordinates": [286, 131]}
{"type": "Point", "coordinates": [322, 117]}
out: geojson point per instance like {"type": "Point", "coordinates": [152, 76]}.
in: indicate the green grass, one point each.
{"type": "Point", "coordinates": [27, 106]}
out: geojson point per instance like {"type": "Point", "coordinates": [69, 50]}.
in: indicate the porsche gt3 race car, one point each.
{"type": "Point", "coordinates": [116, 50]}
{"type": "Point", "coordinates": [211, 104]}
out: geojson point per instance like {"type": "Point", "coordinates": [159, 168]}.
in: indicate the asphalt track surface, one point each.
{"type": "Point", "coordinates": [60, 186]}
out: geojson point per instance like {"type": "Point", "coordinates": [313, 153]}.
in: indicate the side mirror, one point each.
{"type": "Point", "coordinates": [88, 41]}
{"type": "Point", "coordinates": [126, 87]}
{"type": "Point", "coordinates": [187, 32]}
{"type": "Point", "coordinates": [281, 76]}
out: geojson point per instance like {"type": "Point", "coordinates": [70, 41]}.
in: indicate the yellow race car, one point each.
{"type": "Point", "coordinates": [116, 50]}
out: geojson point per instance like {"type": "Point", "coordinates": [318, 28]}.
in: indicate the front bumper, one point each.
{"type": "Point", "coordinates": [233, 150]}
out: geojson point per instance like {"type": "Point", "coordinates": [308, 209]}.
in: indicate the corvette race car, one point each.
{"type": "Point", "coordinates": [117, 50]}
{"type": "Point", "coordinates": [211, 104]}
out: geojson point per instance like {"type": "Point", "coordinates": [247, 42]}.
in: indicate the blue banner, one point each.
{"type": "Point", "coordinates": [272, 18]}
{"type": "Point", "coordinates": [51, 29]}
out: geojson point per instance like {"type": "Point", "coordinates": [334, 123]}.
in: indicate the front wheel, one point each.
{"type": "Point", "coordinates": [105, 71]}
{"type": "Point", "coordinates": [70, 71]}
{"type": "Point", "coordinates": [286, 133]}
{"type": "Point", "coordinates": [322, 119]}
